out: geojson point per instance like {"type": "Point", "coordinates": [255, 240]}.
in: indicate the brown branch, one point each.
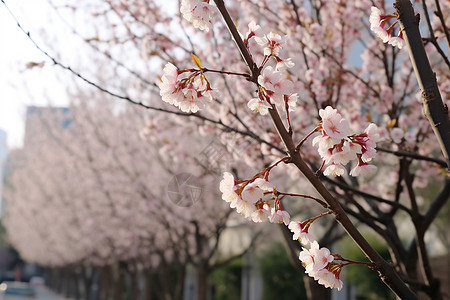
{"type": "Point", "coordinates": [347, 187]}
{"type": "Point", "coordinates": [386, 271]}
{"type": "Point", "coordinates": [432, 38]}
{"type": "Point", "coordinates": [434, 108]}
{"type": "Point", "coordinates": [440, 15]}
{"type": "Point", "coordinates": [402, 153]}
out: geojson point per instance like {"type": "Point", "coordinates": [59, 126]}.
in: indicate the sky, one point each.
{"type": "Point", "coordinates": [19, 86]}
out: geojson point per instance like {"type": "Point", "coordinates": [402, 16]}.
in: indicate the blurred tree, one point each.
{"type": "Point", "coordinates": [281, 279]}
{"type": "Point", "coordinates": [263, 101]}
{"type": "Point", "coordinates": [371, 288]}
{"type": "Point", "coordinates": [226, 281]}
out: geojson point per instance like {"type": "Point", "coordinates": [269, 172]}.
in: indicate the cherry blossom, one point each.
{"type": "Point", "coordinates": [261, 213]}
{"type": "Point", "coordinates": [334, 170]}
{"type": "Point", "coordinates": [363, 169]}
{"type": "Point", "coordinates": [188, 94]}
{"type": "Point", "coordinates": [333, 125]}
{"type": "Point", "coordinates": [169, 89]}
{"type": "Point", "coordinates": [258, 105]}
{"type": "Point", "coordinates": [249, 198]}
{"type": "Point", "coordinates": [300, 231]}
{"type": "Point", "coordinates": [397, 41]}
{"type": "Point", "coordinates": [278, 215]}
{"type": "Point", "coordinates": [335, 99]}
{"type": "Point", "coordinates": [252, 193]}
{"type": "Point", "coordinates": [254, 30]}
{"type": "Point", "coordinates": [272, 43]}
{"type": "Point", "coordinates": [227, 184]}
{"type": "Point", "coordinates": [319, 264]}
{"type": "Point", "coordinates": [329, 279]}
{"type": "Point", "coordinates": [377, 23]}
{"type": "Point", "coordinates": [397, 135]}
{"type": "Point", "coordinates": [198, 12]}
{"type": "Point", "coordinates": [315, 259]}
{"type": "Point", "coordinates": [337, 147]}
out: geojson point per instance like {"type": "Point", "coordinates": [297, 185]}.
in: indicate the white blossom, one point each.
{"type": "Point", "coordinates": [198, 13]}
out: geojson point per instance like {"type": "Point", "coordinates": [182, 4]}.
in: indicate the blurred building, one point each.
{"type": "Point", "coordinates": [3, 156]}
{"type": "Point", "coordinates": [39, 116]}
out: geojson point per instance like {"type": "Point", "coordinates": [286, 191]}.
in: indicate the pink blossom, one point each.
{"type": "Point", "coordinates": [375, 17]}
{"type": "Point", "coordinates": [197, 12]}
{"type": "Point", "coordinates": [272, 43]}
{"type": "Point", "coordinates": [191, 102]}
{"type": "Point", "coordinates": [397, 41]}
{"type": "Point", "coordinates": [291, 101]}
{"type": "Point", "coordinates": [284, 64]}
{"type": "Point", "coordinates": [328, 279]}
{"type": "Point", "coordinates": [252, 193]}
{"type": "Point", "coordinates": [372, 132]}
{"type": "Point", "coordinates": [397, 135]}
{"type": "Point", "coordinates": [277, 86]}
{"type": "Point", "coordinates": [335, 170]}
{"type": "Point", "coordinates": [269, 77]}
{"type": "Point", "coordinates": [410, 137]}
{"type": "Point", "coordinates": [263, 184]}
{"type": "Point", "coordinates": [227, 183]}
{"type": "Point", "coordinates": [377, 22]}
{"type": "Point", "coordinates": [260, 214]}
{"type": "Point", "coordinates": [333, 124]}
{"type": "Point", "coordinates": [169, 90]}
{"type": "Point", "coordinates": [253, 30]}
{"type": "Point", "coordinates": [315, 259]}
{"type": "Point", "coordinates": [258, 105]}
{"type": "Point", "coordinates": [279, 216]}
{"type": "Point", "coordinates": [363, 169]}
{"type": "Point", "coordinates": [309, 75]}
{"type": "Point", "coordinates": [188, 97]}
{"type": "Point", "coordinates": [300, 231]}
{"type": "Point", "coordinates": [368, 141]}
{"type": "Point", "coordinates": [343, 153]}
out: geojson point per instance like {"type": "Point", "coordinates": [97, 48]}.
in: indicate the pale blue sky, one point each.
{"type": "Point", "coordinates": [20, 87]}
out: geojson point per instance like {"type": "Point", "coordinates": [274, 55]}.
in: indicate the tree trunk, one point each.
{"type": "Point", "coordinates": [134, 285]}
{"type": "Point", "coordinates": [119, 283]}
{"type": "Point", "coordinates": [202, 277]}
{"type": "Point", "coordinates": [148, 284]}
{"type": "Point", "coordinates": [106, 282]}
{"type": "Point", "coordinates": [180, 285]}
{"type": "Point", "coordinates": [87, 283]}
{"type": "Point", "coordinates": [314, 290]}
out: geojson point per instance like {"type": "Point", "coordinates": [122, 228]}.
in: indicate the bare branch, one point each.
{"type": "Point", "coordinates": [434, 108]}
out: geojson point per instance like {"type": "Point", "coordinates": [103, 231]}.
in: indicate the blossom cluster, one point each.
{"type": "Point", "coordinates": [337, 147]}
{"type": "Point", "coordinates": [276, 89]}
{"type": "Point", "coordinates": [188, 94]}
{"type": "Point", "coordinates": [377, 23]}
{"type": "Point", "coordinates": [197, 12]}
{"type": "Point", "coordinates": [318, 263]}
{"type": "Point", "coordinates": [274, 85]}
{"type": "Point", "coordinates": [254, 199]}
{"type": "Point", "coordinates": [257, 199]}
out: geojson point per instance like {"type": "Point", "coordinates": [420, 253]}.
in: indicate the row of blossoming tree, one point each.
{"type": "Point", "coordinates": [88, 197]}
{"type": "Point", "coordinates": [336, 103]}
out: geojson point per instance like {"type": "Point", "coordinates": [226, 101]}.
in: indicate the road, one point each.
{"type": "Point", "coordinates": [44, 293]}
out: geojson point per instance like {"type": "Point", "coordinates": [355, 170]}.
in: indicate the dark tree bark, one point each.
{"type": "Point", "coordinates": [434, 108]}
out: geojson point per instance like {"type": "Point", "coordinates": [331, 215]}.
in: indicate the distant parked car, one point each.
{"type": "Point", "coordinates": [37, 281]}
{"type": "Point", "coordinates": [15, 290]}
